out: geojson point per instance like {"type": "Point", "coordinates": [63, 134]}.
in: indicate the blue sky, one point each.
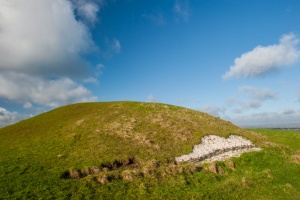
{"type": "Point", "coordinates": [238, 60]}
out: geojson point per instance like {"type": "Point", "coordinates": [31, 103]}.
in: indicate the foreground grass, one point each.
{"type": "Point", "coordinates": [268, 174]}
{"type": "Point", "coordinates": [36, 153]}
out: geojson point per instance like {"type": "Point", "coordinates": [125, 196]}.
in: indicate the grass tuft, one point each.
{"type": "Point", "coordinates": [74, 174]}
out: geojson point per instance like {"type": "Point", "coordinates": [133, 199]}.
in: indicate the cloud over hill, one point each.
{"type": "Point", "coordinates": [263, 59]}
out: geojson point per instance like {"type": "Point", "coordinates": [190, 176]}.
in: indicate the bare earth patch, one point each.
{"type": "Point", "coordinates": [215, 148]}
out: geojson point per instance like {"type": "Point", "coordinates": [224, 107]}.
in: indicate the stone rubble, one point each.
{"type": "Point", "coordinates": [215, 148]}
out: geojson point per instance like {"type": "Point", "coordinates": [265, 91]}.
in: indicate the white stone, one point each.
{"type": "Point", "coordinates": [213, 148]}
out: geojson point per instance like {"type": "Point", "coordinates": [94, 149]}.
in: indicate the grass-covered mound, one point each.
{"type": "Point", "coordinates": [125, 150]}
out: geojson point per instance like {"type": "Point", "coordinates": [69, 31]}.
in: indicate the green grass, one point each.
{"type": "Point", "coordinates": [35, 155]}
{"type": "Point", "coordinates": [289, 138]}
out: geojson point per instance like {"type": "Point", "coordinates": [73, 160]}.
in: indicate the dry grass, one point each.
{"type": "Point", "coordinates": [295, 158]}
{"type": "Point", "coordinates": [128, 174]}
{"type": "Point", "coordinates": [74, 173]}
{"type": "Point", "coordinates": [101, 179]}
{"type": "Point", "coordinates": [230, 164]}
{"type": "Point", "coordinates": [132, 169]}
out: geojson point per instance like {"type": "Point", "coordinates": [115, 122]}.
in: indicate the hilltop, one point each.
{"type": "Point", "coordinates": [84, 150]}
{"type": "Point", "coordinates": [91, 133]}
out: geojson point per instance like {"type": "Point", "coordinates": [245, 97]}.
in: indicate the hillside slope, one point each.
{"type": "Point", "coordinates": [89, 133]}
{"type": "Point", "coordinates": [35, 153]}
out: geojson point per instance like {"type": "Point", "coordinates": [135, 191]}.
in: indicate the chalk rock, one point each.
{"type": "Point", "coordinates": [213, 148]}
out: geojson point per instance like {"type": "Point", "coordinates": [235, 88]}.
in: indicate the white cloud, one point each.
{"type": "Point", "coordinates": [256, 97]}
{"type": "Point", "coordinates": [213, 110]}
{"type": "Point", "coordinates": [7, 117]}
{"type": "Point", "coordinates": [258, 93]}
{"type": "Point", "coordinates": [88, 9]}
{"type": "Point", "coordinates": [182, 10]}
{"type": "Point", "coordinates": [42, 43]}
{"type": "Point", "coordinates": [113, 46]}
{"type": "Point", "coordinates": [249, 97]}
{"type": "Point", "coordinates": [91, 80]}
{"type": "Point", "coordinates": [152, 99]}
{"type": "Point", "coordinates": [288, 112]}
{"type": "Point", "coordinates": [27, 105]}
{"type": "Point", "coordinates": [252, 103]}
{"type": "Point", "coordinates": [42, 37]}
{"type": "Point", "coordinates": [98, 70]}
{"type": "Point", "coordinates": [285, 118]}
{"type": "Point", "coordinates": [22, 88]}
{"type": "Point", "coordinates": [265, 59]}
{"type": "Point", "coordinates": [237, 111]}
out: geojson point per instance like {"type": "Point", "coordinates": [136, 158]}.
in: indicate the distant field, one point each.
{"type": "Point", "coordinates": [289, 138]}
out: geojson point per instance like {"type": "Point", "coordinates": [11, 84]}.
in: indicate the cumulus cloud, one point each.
{"type": "Point", "coordinates": [27, 105]}
{"type": "Point", "coordinates": [265, 59]}
{"type": "Point", "coordinates": [50, 93]}
{"type": "Point", "coordinates": [257, 96]}
{"type": "Point", "coordinates": [42, 44]}
{"type": "Point", "coordinates": [249, 97]}
{"type": "Point", "coordinates": [182, 10]}
{"type": "Point", "coordinates": [213, 110]}
{"type": "Point", "coordinates": [252, 103]}
{"type": "Point", "coordinates": [91, 80]}
{"type": "Point", "coordinates": [258, 93]}
{"type": "Point", "coordinates": [152, 99]}
{"type": "Point", "coordinates": [7, 117]}
{"type": "Point", "coordinates": [88, 9]}
{"type": "Point", "coordinates": [285, 118]}
{"type": "Point", "coordinates": [42, 37]}
{"type": "Point", "coordinates": [288, 112]}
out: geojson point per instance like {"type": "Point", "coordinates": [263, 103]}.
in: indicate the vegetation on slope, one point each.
{"type": "Point", "coordinates": [133, 145]}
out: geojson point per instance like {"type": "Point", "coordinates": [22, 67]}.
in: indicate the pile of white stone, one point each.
{"type": "Point", "coordinates": [215, 148]}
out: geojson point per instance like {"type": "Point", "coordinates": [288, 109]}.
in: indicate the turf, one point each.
{"type": "Point", "coordinates": [289, 138]}
{"type": "Point", "coordinates": [134, 145]}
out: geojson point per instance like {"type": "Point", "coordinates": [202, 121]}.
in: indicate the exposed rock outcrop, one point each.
{"type": "Point", "coordinates": [214, 148]}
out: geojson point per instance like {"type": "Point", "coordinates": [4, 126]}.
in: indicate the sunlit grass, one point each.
{"type": "Point", "coordinates": [67, 154]}
{"type": "Point", "coordinates": [290, 138]}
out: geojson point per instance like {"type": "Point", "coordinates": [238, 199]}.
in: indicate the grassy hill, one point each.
{"type": "Point", "coordinates": [125, 150]}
